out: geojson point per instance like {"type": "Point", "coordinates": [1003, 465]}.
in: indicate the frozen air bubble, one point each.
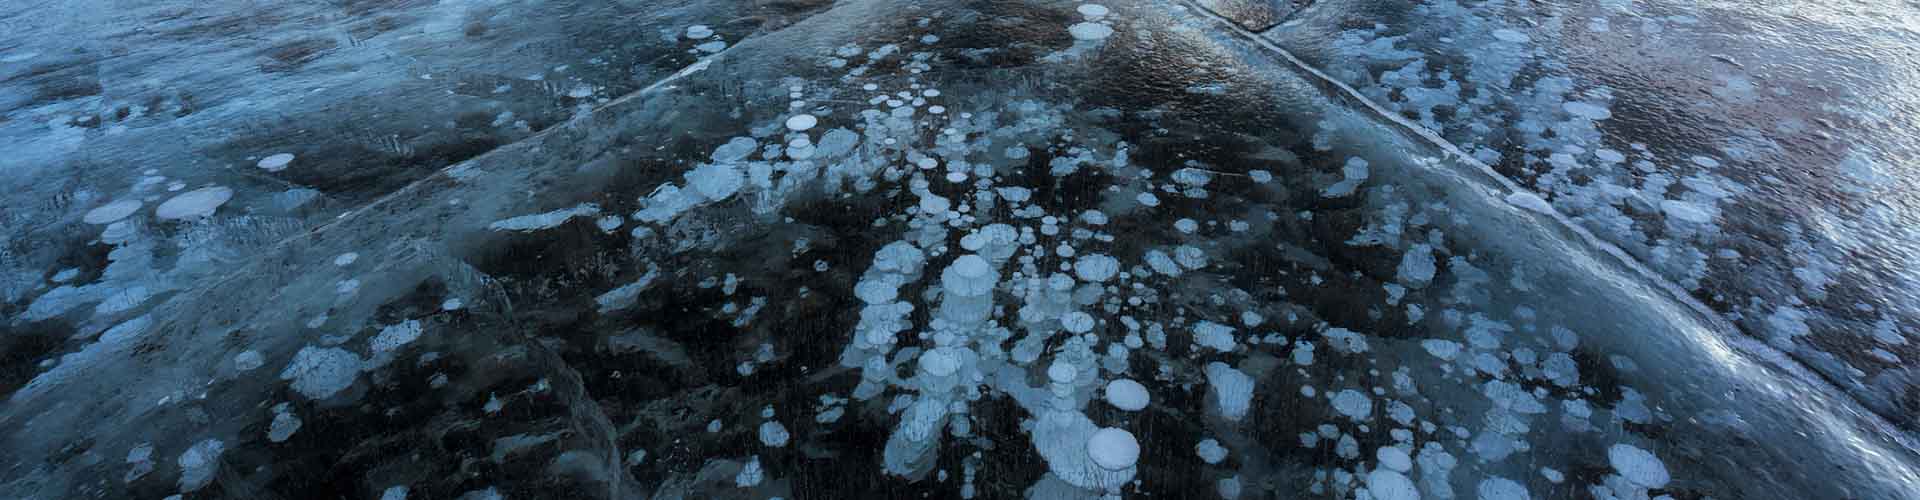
{"type": "Point", "coordinates": [1092, 11]}
{"type": "Point", "coordinates": [1113, 449]}
{"type": "Point", "coordinates": [111, 212]}
{"type": "Point", "coordinates": [1090, 31]}
{"type": "Point", "coordinates": [802, 122]}
{"type": "Point", "coordinates": [194, 204]}
{"type": "Point", "coordinates": [1127, 394]}
{"type": "Point", "coordinates": [276, 162]}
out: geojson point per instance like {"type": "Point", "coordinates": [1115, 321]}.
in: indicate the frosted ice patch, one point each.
{"type": "Point", "coordinates": [1210, 451]}
{"type": "Point", "coordinates": [1508, 35]}
{"type": "Point", "coordinates": [124, 300]}
{"type": "Point", "coordinates": [1394, 459]}
{"type": "Point", "coordinates": [198, 464]}
{"type": "Point", "coordinates": [1529, 201]}
{"type": "Point", "coordinates": [1077, 322]}
{"type": "Point", "coordinates": [194, 204]}
{"type": "Point", "coordinates": [248, 360]}
{"type": "Point", "coordinates": [1684, 211]}
{"type": "Point", "coordinates": [610, 223]}
{"type": "Point", "coordinates": [1214, 335]}
{"type": "Point", "coordinates": [1162, 264]}
{"type": "Point", "coordinates": [321, 372]}
{"type": "Point", "coordinates": [969, 276]}
{"type": "Point", "coordinates": [1096, 268]}
{"type": "Point", "coordinates": [275, 162]}
{"type": "Point", "coordinates": [1062, 372]}
{"type": "Point", "coordinates": [1353, 404]}
{"type": "Point", "coordinates": [544, 220]}
{"type": "Point", "coordinates": [118, 232]}
{"type": "Point", "coordinates": [773, 434]}
{"type": "Point", "coordinates": [1417, 267]}
{"type": "Point", "coordinates": [111, 212]}
{"type": "Point", "coordinates": [736, 149]}
{"type": "Point", "coordinates": [1500, 488]}
{"type": "Point", "coordinates": [939, 362]}
{"type": "Point", "coordinates": [346, 259]}
{"type": "Point", "coordinates": [396, 336]}
{"type": "Point", "coordinates": [1443, 349]}
{"type": "Point", "coordinates": [1356, 173]}
{"type": "Point", "coordinates": [1127, 394]}
{"type": "Point", "coordinates": [1113, 449]}
{"type": "Point", "coordinates": [283, 426]}
{"type": "Point", "coordinates": [1609, 156]}
{"type": "Point", "coordinates": [1232, 388]}
{"type": "Point", "coordinates": [878, 291]}
{"type": "Point", "coordinates": [1391, 485]}
{"type": "Point", "coordinates": [1229, 488]}
{"type": "Point", "coordinates": [1585, 110]}
{"type": "Point", "coordinates": [716, 181]}
{"type": "Point", "coordinates": [750, 475]}
{"type": "Point", "coordinates": [1190, 257]}
{"type": "Point", "coordinates": [699, 32]}
{"type": "Point", "coordinates": [1638, 465]}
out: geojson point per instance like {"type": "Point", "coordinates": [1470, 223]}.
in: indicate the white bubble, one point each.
{"type": "Point", "coordinates": [802, 122]}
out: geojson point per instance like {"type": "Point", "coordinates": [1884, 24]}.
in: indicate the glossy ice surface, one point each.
{"type": "Point", "coordinates": [937, 249]}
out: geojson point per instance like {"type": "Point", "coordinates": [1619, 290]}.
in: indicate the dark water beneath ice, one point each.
{"type": "Point", "coordinates": [875, 249]}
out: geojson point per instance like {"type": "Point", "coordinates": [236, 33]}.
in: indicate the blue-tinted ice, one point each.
{"type": "Point", "coordinates": [888, 249]}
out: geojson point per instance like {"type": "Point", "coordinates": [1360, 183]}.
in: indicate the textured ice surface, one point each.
{"type": "Point", "coordinates": [984, 250]}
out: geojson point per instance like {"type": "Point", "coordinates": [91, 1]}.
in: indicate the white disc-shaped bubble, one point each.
{"type": "Point", "coordinates": [802, 122]}
{"type": "Point", "coordinates": [1062, 372]}
{"type": "Point", "coordinates": [111, 212]}
{"type": "Point", "coordinates": [1394, 459]}
{"type": "Point", "coordinates": [1127, 394]}
{"type": "Point", "coordinates": [1092, 11]}
{"type": "Point", "coordinates": [1096, 268]}
{"type": "Point", "coordinates": [1090, 31]}
{"type": "Point", "coordinates": [1077, 322]}
{"type": "Point", "coordinates": [275, 162]}
{"type": "Point", "coordinates": [1389, 485]}
{"type": "Point", "coordinates": [969, 276]}
{"type": "Point", "coordinates": [194, 204]}
{"type": "Point", "coordinates": [939, 362]}
{"type": "Point", "coordinates": [1638, 465]}
{"type": "Point", "coordinates": [1113, 449]}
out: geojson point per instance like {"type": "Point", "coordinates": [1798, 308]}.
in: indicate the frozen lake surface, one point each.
{"type": "Point", "coordinates": [800, 249]}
